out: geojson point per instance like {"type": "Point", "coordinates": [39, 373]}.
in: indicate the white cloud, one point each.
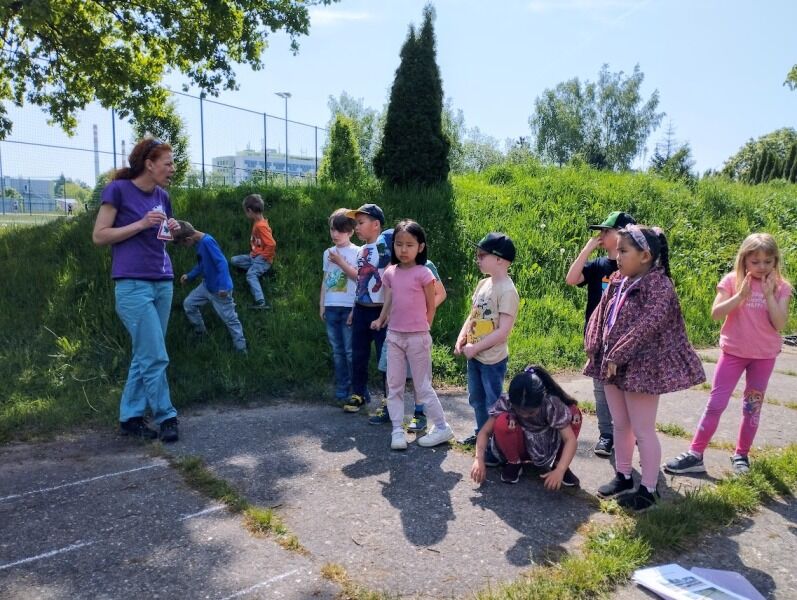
{"type": "Point", "coordinates": [329, 16]}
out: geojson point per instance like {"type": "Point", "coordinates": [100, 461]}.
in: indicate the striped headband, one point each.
{"type": "Point", "coordinates": [636, 232]}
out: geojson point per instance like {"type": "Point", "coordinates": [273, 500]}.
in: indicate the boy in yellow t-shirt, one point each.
{"type": "Point", "coordinates": [484, 334]}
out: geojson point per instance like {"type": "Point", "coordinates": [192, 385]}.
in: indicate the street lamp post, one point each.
{"type": "Point", "coordinates": [285, 96]}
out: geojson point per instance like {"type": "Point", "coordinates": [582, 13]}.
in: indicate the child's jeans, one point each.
{"type": "Point", "coordinates": [415, 348]}
{"type": "Point", "coordinates": [143, 306]}
{"type": "Point", "coordinates": [339, 335]}
{"type": "Point", "coordinates": [727, 374]}
{"type": "Point", "coordinates": [511, 442]}
{"type": "Point", "coordinates": [361, 337]}
{"type": "Point", "coordinates": [485, 384]}
{"type": "Point", "coordinates": [634, 416]}
{"type": "Point", "coordinates": [602, 409]}
{"type": "Point", "coordinates": [256, 267]}
{"type": "Point", "coordinates": [224, 307]}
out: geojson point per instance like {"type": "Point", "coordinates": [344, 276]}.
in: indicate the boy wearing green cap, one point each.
{"type": "Point", "coordinates": [595, 275]}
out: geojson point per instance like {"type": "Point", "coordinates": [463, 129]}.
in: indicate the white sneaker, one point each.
{"type": "Point", "coordinates": [398, 440]}
{"type": "Point", "coordinates": [436, 437]}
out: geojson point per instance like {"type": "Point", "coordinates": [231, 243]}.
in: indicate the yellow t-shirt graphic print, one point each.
{"type": "Point", "coordinates": [490, 300]}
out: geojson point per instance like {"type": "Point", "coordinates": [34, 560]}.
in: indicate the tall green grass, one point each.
{"type": "Point", "coordinates": [64, 354]}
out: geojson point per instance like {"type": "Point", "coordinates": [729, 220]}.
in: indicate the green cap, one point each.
{"type": "Point", "coordinates": [616, 220]}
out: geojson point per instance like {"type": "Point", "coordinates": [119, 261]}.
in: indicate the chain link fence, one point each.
{"type": "Point", "coordinates": [45, 171]}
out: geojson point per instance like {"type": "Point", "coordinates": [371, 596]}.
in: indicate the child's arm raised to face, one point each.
{"type": "Point", "coordinates": [778, 308]}
{"type": "Point", "coordinates": [553, 479]}
{"type": "Point", "coordinates": [575, 274]}
{"type": "Point", "coordinates": [337, 259]}
{"type": "Point", "coordinates": [725, 303]}
{"type": "Point", "coordinates": [478, 472]}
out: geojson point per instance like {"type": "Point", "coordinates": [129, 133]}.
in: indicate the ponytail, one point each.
{"type": "Point", "coordinates": [528, 388]}
{"type": "Point", "coordinates": [148, 148]}
{"type": "Point", "coordinates": [664, 254]}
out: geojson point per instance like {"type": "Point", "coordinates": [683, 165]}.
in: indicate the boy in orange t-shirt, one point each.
{"type": "Point", "coordinates": [263, 249]}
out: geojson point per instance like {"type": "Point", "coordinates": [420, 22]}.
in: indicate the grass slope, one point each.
{"type": "Point", "coordinates": [64, 353]}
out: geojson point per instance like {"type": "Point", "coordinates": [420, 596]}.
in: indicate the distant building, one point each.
{"type": "Point", "coordinates": [238, 167]}
{"type": "Point", "coordinates": [37, 195]}
{"type": "Point", "coordinates": [37, 189]}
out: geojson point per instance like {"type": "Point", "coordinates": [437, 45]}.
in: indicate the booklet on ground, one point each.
{"type": "Point", "coordinates": [673, 582]}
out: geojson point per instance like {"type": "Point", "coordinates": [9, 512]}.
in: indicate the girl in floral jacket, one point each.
{"type": "Point", "coordinates": [637, 345]}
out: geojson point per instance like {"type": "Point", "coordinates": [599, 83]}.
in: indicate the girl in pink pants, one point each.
{"type": "Point", "coordinates": [754, 301]}
{"type": "Point", "coordinates": [408, 312]}
{"type": "Point", "coordinates": [637, 345]}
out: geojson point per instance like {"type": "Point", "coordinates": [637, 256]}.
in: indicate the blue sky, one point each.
{"type": "Point", "coordinates": [718, 66]}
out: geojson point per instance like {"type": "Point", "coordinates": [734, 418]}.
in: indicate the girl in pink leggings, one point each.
{"type": "Point", "coordinates": [637, 345]}
{"type": "Point", "coordinates": [754, 300]}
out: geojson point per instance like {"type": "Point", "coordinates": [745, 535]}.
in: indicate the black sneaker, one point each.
{"type": "Point", "coordinates": [468, 441]}
{"type": "Point", "coordinates": [685, 463]}
{"type": "Point", "coordinates": [136, 427]}
{"type": "Point", "coordinates": [511, 472]}
{"type": "Point", "coordinates": [168, 432]}
{"type": "Point", "coordinates": [616, 486]}
{"type": "Point", "coordinates": [569, 479]}
{"type": "Point", "coordinates": [639, 500]}
{"type": "Point", "coordinates": [604, 446]}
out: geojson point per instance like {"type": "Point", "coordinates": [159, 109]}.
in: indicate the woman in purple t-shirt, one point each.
{"type": "Point", "coordinates": [135, 219]}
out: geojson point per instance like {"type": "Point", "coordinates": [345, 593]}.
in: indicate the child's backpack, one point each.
{"type": "Point", "coordinates": [385, 247]}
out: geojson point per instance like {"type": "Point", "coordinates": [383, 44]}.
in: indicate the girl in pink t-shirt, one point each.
{"type": "Point", "coordinates": [408, 312]}
{"type": "Point", "coordinates": [754, 300]}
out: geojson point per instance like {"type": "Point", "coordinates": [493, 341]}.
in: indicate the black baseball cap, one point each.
{"type": "Point", "coordinates": [372, 210]}
{"type": "Point", "coordinates": [498, 244]}
{"type": "Point", "coordinates": [616, 220]}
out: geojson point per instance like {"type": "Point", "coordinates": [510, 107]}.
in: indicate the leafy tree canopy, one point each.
{"type": "Point", "coordinates": [778, 143]}
{"type": "Point", "coordinates": [62, 55]}
{"type": "Point", "coordinates": [605, 123]}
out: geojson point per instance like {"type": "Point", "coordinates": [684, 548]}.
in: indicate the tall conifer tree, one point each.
{"type": "Point", "coordinates": [414, 148]}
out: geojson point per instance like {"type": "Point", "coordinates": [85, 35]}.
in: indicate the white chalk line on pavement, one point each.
{"type": "Point", "coordinates": [257, 586]}
{"type": "Point", "coordinates": [49, 554]}
{"type": "Point", "coordinates": [207, 511]}
{"type": "Point", "coordinates": [82, 481]}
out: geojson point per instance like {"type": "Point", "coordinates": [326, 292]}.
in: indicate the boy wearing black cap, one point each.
{"type": "Point", "coordinates": [372, 259]}
{"type": "Point", "coordinates": [483, 337]}
{"type": "Point", "coordinates": [595, 275]}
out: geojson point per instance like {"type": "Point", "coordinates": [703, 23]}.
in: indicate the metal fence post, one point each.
{"type": "Point", "coordinates": [202, 133]}
{"type": "Point", "coordinates": [316, 153]}
{"type": "Point", "coordinates": [265, 150]}
{"type": "Point", "coordinates": [2, 181]}
{"type": "Point", "coordinates": [113, 136]}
